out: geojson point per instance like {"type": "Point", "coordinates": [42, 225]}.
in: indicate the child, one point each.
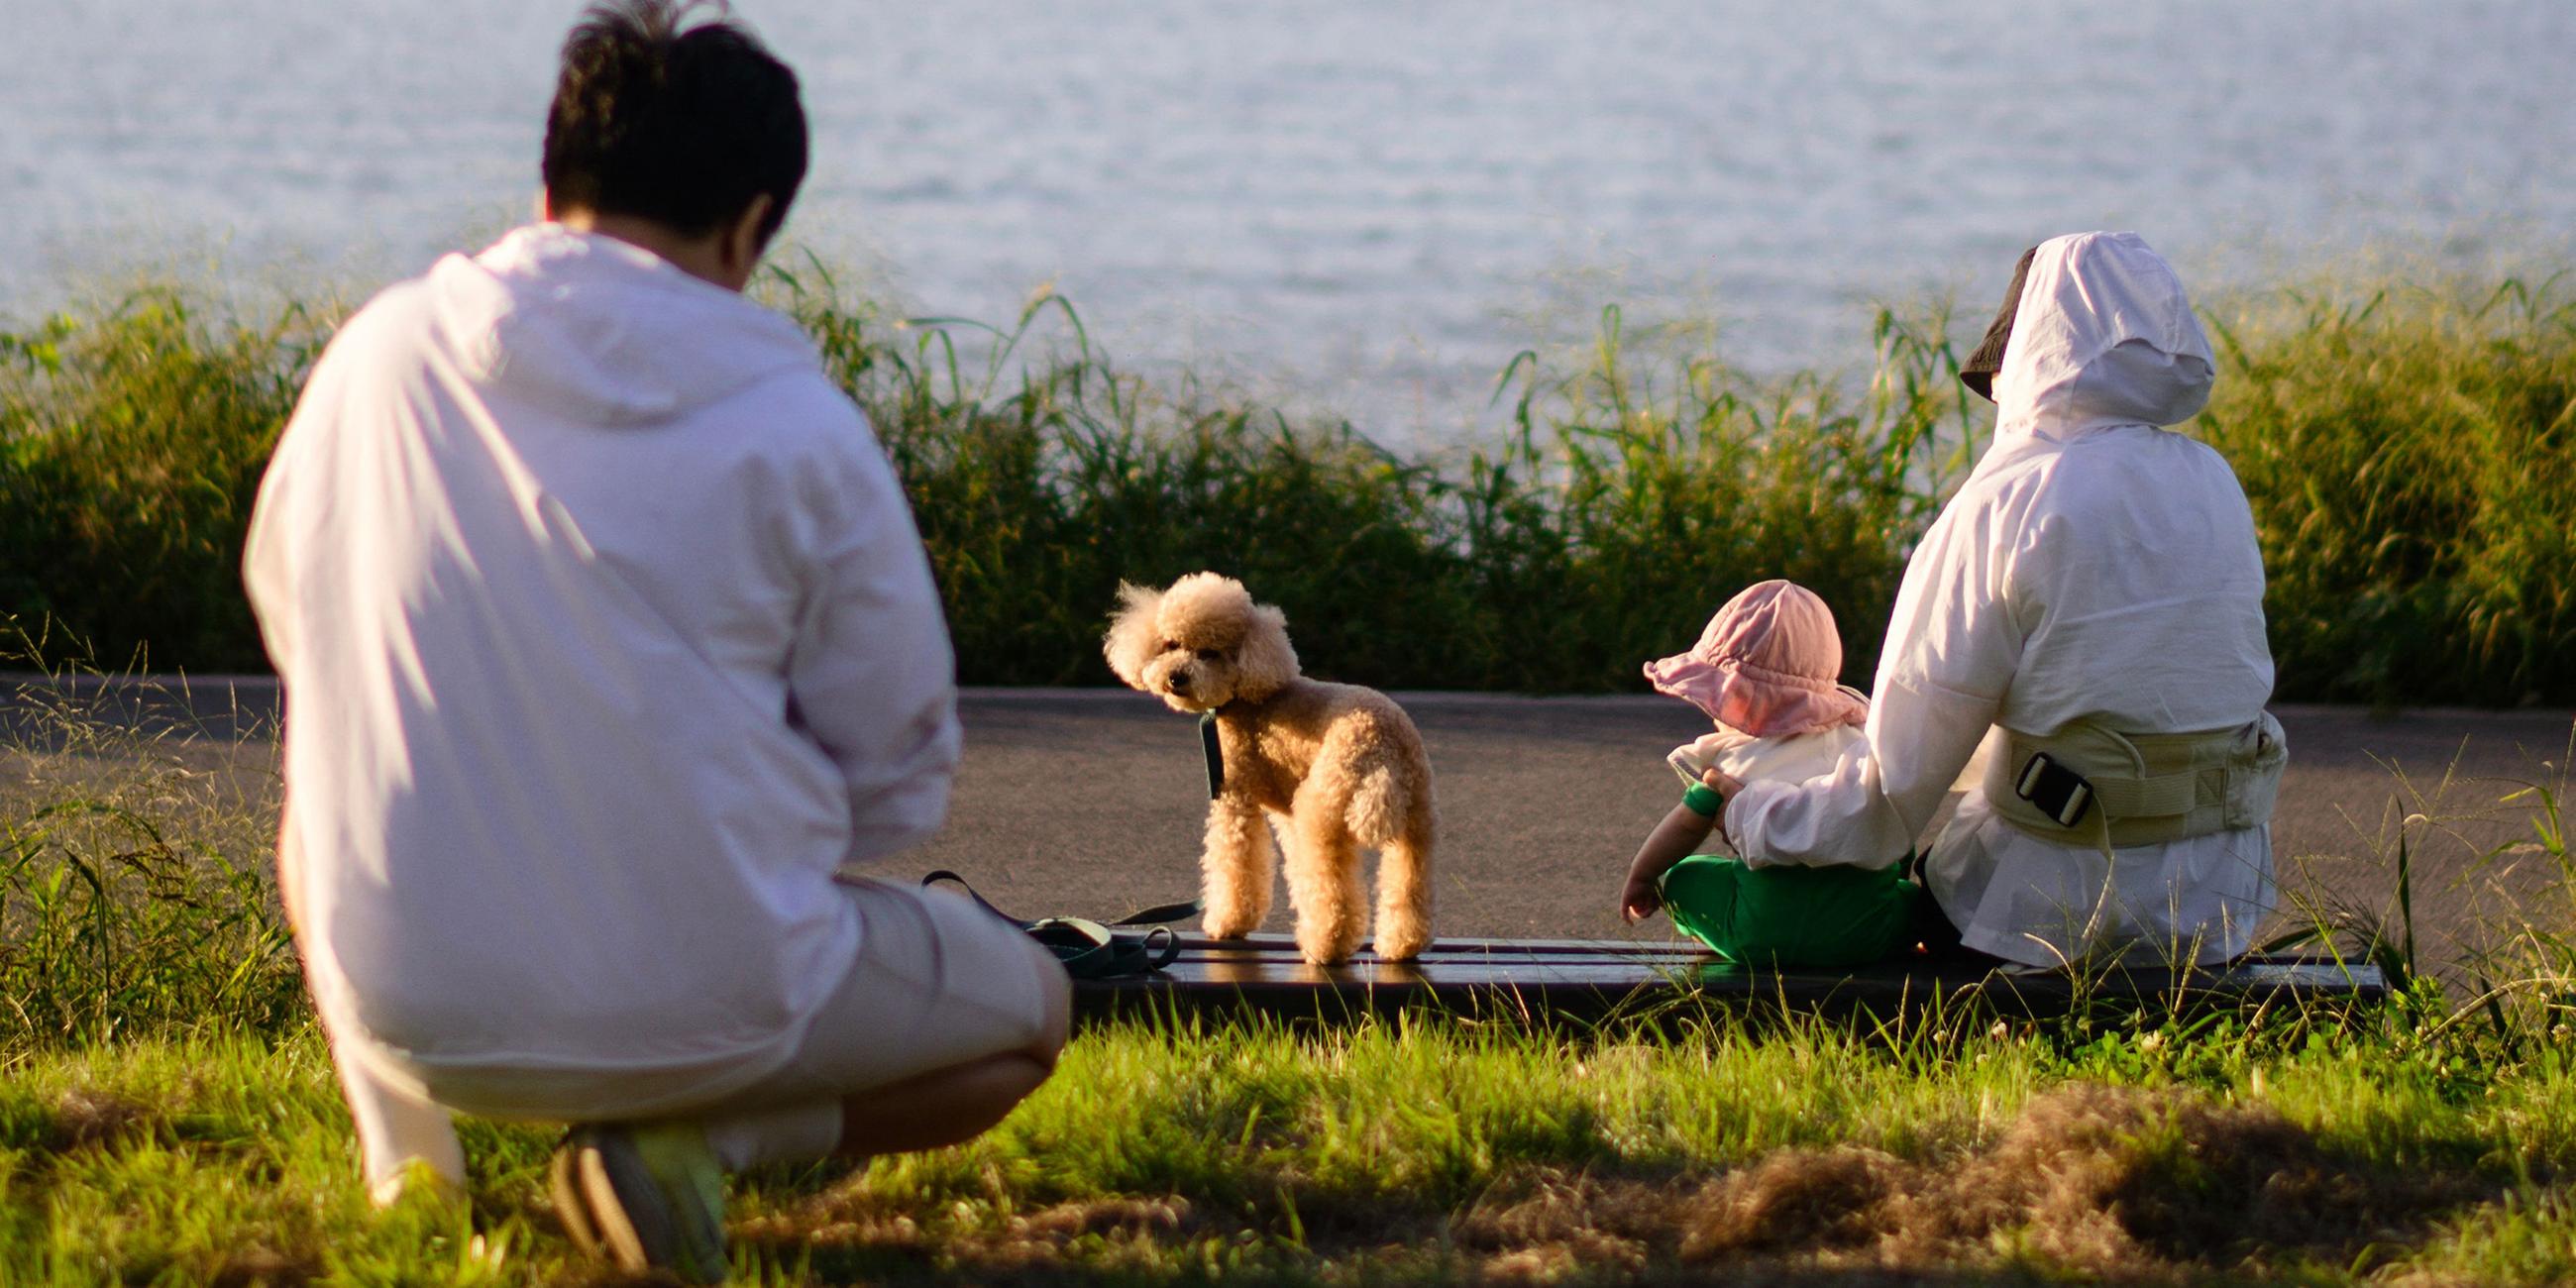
{"type": "Point", "coordinates": [1765, 671]}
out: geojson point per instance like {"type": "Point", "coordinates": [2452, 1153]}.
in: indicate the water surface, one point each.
{"type": "Point", "coordinates": [1361, 205]}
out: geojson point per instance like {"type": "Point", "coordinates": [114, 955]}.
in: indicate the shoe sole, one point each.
{"type": "Point", "coordinates": [571, 1206]}
{"type": "Point", "coordinates": [587, 1176]}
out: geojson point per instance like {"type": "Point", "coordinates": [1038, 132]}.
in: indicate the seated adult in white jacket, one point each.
{"type": "Point", "coordinates": [607, 637]}
{"type": "Point", "coordinates": [2092, 602]}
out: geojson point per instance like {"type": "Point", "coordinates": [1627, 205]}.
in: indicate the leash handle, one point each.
{"type": "Point", "coordinates": [1163, 914]}
{"type": "Point", "coordinates": [1087, 949]}
{"type": "Point", "coordinates": [951, 878]}
{"type": "Point", "coordinates": [1162, 946]}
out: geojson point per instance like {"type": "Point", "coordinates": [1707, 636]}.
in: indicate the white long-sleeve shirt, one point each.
{"type": "Point", "coordinates": [2093, 567]}
{"type": "Point", "coordinates": [606, 636]}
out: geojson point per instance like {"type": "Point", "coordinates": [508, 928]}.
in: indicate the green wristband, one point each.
{"type": "Point", "coordinates": [1703, 800]}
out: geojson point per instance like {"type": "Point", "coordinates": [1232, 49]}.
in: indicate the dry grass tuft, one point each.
{"type": "Point", "coordinates": [1065, 1221]}
{"type": "Point", "coordinates": [2111, 1181]}
{"type": "Point", "coordinates": [621, 1279]}
{"type": "Point", "coordinates": [1543, 1224]}
{"type": "Point", "coordinates": [2096, 1181]}
{"type": "Point", "coordinates": [1799, 1198]}
{"type": "Point", "coordinates": [848, 1217]}
{"type": "Point", "coordinates": [257, 1267]}
{"type": "Point", "coordinates": [850, 1224]}
{"type": "Point", "coordinates": [88, 1119]}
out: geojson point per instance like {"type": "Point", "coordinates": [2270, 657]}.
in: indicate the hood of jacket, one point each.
{"type": "Point", "coordinates": [2103, 336]}
{"type": "Point", "coordinates": [601, 331]}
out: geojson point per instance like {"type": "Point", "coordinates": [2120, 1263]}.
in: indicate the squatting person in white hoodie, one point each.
{"type": "Point", "coordinates": [2090, 605]}
{"type": "Point", "coordinates": [607, 637]}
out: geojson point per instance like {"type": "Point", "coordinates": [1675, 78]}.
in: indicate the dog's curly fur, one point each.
{"type": "Point", "coordinates": [1341, 766]}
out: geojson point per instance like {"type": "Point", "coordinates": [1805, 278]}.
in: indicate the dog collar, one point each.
{"type": "Point", "coordinates": [1215, 749]}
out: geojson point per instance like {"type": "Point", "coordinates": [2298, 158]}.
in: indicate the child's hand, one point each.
{"type": "Point", "coordinates": [1727, 787]}
{"type": "Point", "coordinates": [1639, 900]}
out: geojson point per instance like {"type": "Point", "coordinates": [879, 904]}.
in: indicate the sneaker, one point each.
{"type": "Point", "coordinates": [418, 1181]}
{"type": "Point", "coordinates": [648, 1196]}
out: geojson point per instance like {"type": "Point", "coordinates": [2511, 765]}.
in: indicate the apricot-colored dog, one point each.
{"type": "Point", "coordinates": [1340, 767]}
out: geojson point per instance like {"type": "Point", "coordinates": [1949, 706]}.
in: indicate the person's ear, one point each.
{"type": "Point", "coordinates": [739, 243]}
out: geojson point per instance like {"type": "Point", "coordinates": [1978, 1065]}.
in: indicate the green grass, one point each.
{"type": "Point", "coordinates": [1428, 1151]}
{"type": "Point", "coordinates": [137, 885]}
{"type": "Point", "coordinates": [168, 1115]}
{"type": "Point", "coordinates": [2409, 449]}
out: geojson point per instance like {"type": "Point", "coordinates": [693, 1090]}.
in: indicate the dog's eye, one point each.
{"type": "Point", "coordinates": [1208, 655]}
{"type": "Point", "coordinates": [1162, 646]}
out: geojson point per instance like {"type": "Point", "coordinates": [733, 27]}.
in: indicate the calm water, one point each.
{"type": "Point", "coordinates": [1363, 205]}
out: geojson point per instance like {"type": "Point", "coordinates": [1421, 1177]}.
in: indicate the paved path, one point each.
{"type": "Point", "coordinates": [1091, 801]}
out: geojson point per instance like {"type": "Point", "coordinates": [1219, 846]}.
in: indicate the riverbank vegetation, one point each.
{"type": "Point", "coordinates": [168, 1115]}
{"type": "Point", "coordinates": [2409, 449]}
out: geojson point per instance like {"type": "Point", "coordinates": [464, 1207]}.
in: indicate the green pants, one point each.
{"type": "Point", "coordinates": [1792, 916]}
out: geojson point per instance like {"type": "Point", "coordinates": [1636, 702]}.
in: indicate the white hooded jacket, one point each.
{"type": "Point", "coordinates": [2092, 567]}
{"type": "Point", "coordinates": [606, 636]}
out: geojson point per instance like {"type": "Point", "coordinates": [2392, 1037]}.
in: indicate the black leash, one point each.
{"type": "Point", "coordinates": [1088, 949]}
{"type": "Point", "coordinates": [1214, 749]}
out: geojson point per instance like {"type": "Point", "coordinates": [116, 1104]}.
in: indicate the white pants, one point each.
{"type": "Point", "coordinates": [938, 983]}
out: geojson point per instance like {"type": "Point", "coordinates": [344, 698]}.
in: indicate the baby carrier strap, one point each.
{"type": "Point", "coordinates": [2089, 784]}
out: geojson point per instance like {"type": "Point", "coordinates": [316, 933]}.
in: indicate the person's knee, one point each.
{"type": "Point", "coordinates": [941, 1107]}
{"type": "Point", "coordinates": [1704, 875]}
{"type": "Point", "coordinates": [986, 1089]}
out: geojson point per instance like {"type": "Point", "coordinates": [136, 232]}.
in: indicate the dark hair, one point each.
{"type": "Point", "coordinates": [1987, 361]}
{"type": "Point", "coordinates": [678, 121]}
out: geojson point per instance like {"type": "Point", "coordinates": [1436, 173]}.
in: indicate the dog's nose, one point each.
{"type": "Point", "coordinates": [1180, 682]}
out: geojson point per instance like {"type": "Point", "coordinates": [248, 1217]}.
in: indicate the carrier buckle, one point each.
{"type": "Point", "coordinates": [2059, 792]}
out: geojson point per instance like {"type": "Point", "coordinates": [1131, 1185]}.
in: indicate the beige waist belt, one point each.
{"type": "Point", "coordinates": [2089, 785]}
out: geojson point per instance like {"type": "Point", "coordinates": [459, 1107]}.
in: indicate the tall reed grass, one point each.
{"type": "Point", "coordinates": [138, 894]}
{"type": "Point", "coordinates": [131, 444]}
{"type": "Point", "coordinates": [2408, 450]}
{"type": "Point", "coordinates": [1616, 513]}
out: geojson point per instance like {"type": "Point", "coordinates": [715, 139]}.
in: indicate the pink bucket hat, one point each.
{"type": "Point", "coordinates": [1766, 665]}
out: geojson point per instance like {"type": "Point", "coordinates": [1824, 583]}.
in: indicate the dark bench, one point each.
{"type": "Point", "coordinates": [1588, 980]}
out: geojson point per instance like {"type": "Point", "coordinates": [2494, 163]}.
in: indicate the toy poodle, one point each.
{"type": "Point", "coordinates": [1336, 765]}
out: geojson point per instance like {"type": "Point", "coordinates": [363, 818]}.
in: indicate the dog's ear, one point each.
{"type": "Point", "coordinates": [1130, 643]}
{"type": "Point", "coordinates": [1264, 663]}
